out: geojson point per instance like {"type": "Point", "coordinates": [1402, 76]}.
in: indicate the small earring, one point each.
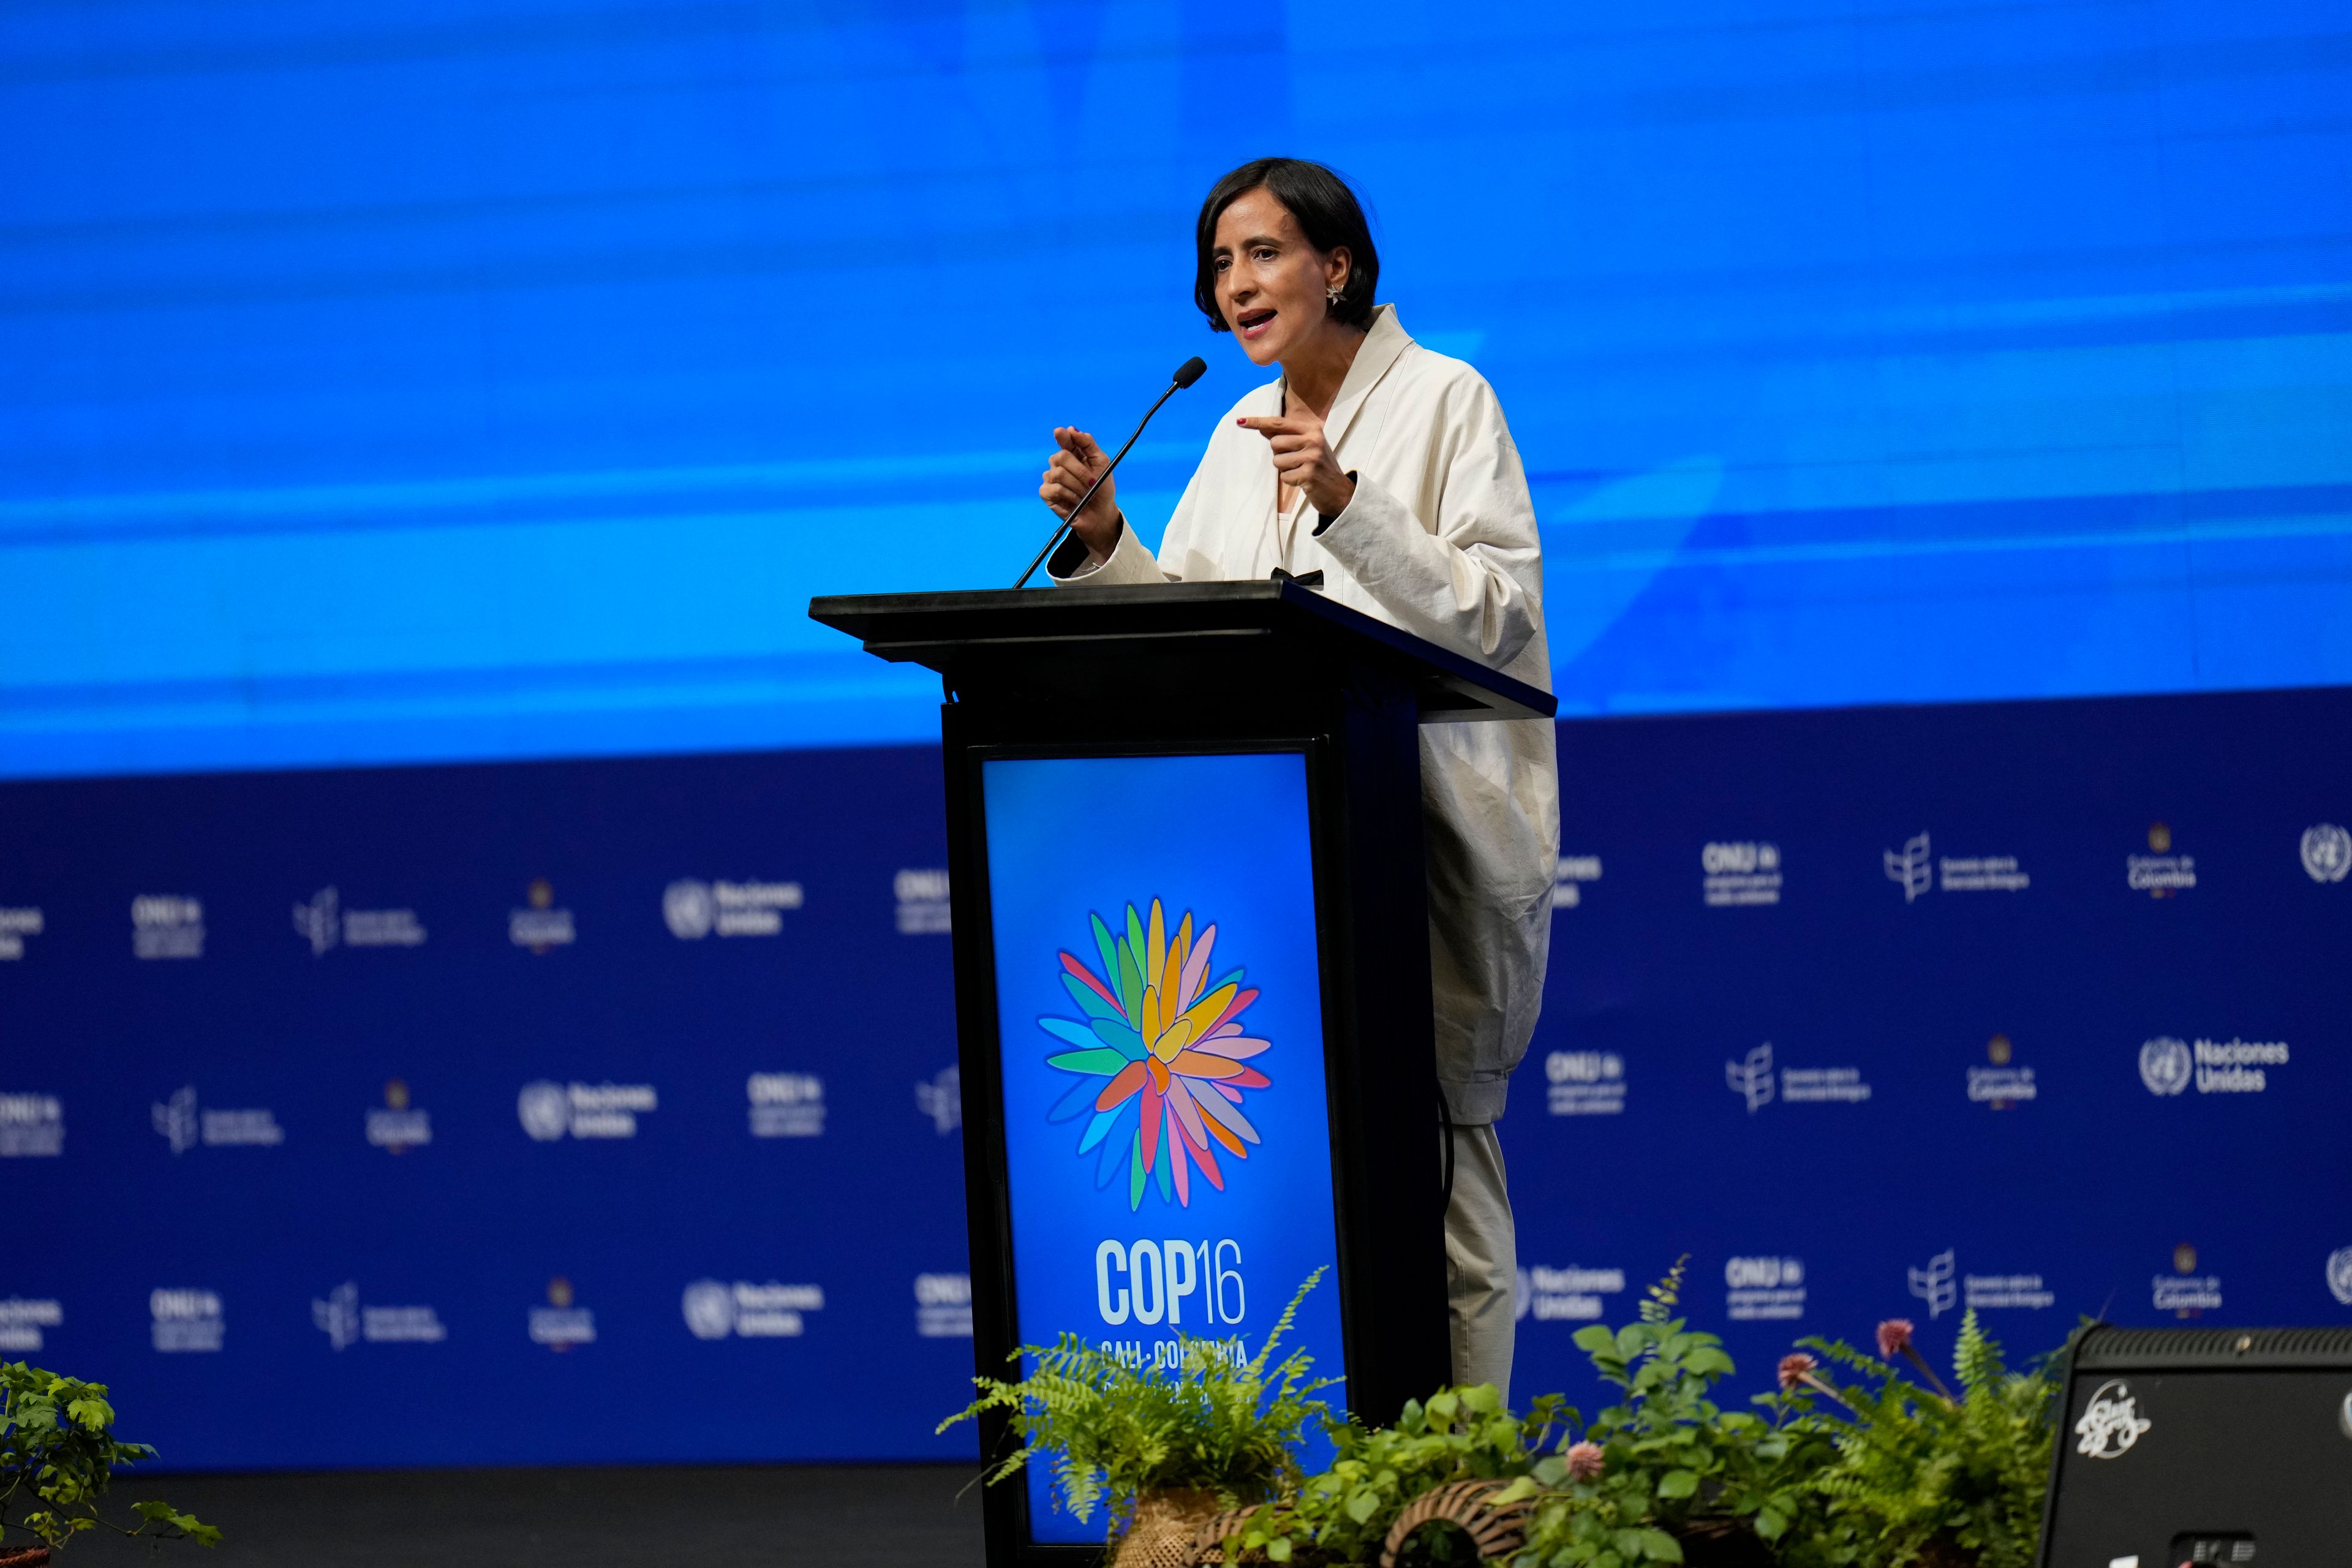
{"type": "Point", "coordinates": [1331, 296]}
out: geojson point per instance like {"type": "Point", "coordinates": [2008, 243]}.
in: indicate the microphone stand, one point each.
{"type": "Point", "coordinates": [1173, 388]}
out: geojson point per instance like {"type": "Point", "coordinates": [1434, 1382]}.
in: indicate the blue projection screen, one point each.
{"type": "Point", "coordinates": [496, 379]}
{"type": "Point", "coordinates": [1167, 1140]}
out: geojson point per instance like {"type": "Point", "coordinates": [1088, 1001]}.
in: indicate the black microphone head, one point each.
{"type": "Point", "coordinates": [1191, 371]}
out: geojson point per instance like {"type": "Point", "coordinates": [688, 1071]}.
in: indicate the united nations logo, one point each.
{"type": "Point", "coordinates": [2339, 1274]}
{"type": "Point", "coordinates": [2111, 1423]}
{"type": "Point", "coordinates": [690, 909]}
{"type": "Point", "coordinates": [2166, 1066]}
{"type": "Point", "coordinates": [2326, 852]}
{"type": "Point", "coordinates": [710, 1309]}
{"type": "Point", "coordinates": [544, 1109]}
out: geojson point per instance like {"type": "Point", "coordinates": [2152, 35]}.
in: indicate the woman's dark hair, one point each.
{"type": "Point", "coordinates": [1328, 213]}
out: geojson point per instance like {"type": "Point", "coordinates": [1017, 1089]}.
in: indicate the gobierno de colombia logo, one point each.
{"type": "Point", "coordinates": [1171, 1044]}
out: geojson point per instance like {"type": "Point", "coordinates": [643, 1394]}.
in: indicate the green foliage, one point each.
{"type": "Point", "coordinates": [1217, 1424]}
{"type": "Point", "coordinates": [1885, 1474]}
{"type": "Point", "coordinates": [58, 1455]}
{"type": "Point", "coordinates": [1458, 1434]}
{"type": "Point", "coordinates": [1669, 1457]}
{"type": "Point", "coordinates": [1915, 1470]}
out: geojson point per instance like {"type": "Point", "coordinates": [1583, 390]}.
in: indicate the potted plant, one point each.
{"type": "Point", "coordinates": [1666, 1475]}
{"type": "Point", "coordinates": [57, 1455]}
{"type": "Point", "coordinates": [1925, 1477]}
{"type": "Point", "coordinates": [1440, 1464]}
{"type": "Point", "coordinates": [1165, 1451]}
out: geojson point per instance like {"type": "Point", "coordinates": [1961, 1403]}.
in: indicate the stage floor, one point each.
{"type": "Point", "coordinates": [854, 1516]}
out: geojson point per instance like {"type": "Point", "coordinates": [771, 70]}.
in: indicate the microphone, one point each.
{"type": "Point", "coordinates": [1191, 371]}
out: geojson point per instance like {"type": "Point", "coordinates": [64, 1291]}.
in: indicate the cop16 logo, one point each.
{"type": "Point", "coordinates": [1150, 1281]}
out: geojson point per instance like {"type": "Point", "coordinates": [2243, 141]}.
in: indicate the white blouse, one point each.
{"type": "Point", "coordinates": [1440, 539]}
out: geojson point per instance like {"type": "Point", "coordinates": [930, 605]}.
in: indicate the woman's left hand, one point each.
{"type": "Point", "coordinates": [1302, 455]}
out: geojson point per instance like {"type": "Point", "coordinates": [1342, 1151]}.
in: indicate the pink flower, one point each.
{"type": "Point", "coordinates": [1797, 1372]}
{"type": "Point", "coordinates": [1894, 1339]}
{"type": "Point", "coordinates": [1584, 1461]}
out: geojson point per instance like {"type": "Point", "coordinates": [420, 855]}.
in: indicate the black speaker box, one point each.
{"type": "Point", "coordinates": [2205, 1446]}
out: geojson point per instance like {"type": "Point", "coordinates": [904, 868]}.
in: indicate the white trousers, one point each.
{"type": "Point", "coordinates": [1482, 1260]}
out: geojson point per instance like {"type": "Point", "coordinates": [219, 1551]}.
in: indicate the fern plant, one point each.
{"type": "Point", "coordinates": [1116, 1432]}
{"type": "Point", "coordinates": [57, 1455]}
{"type": "Point", "coordinates": [1457, 1434]}
{"type": "Point", "coordinates": [1925, 1477]}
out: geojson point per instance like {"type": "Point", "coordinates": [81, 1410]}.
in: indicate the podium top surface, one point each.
{"type": "Point", "coordinates": [966, 635]}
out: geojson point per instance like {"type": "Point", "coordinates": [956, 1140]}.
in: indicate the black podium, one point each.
{"type": "Point", "coordinates": [1192, 965]}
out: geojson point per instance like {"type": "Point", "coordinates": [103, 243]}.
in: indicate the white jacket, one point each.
{"type": "Point", "coordinates": [1441, 540]}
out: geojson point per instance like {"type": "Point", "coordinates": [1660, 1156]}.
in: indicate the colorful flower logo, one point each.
{"type": "Point", "coordinates": [1173, 1045]}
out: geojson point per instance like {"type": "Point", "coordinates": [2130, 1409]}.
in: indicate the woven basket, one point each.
{"type": "Point", "coordinates": [1208, 1545]}
{"type": "Point", "coordinates": [1209, 1541]}
{"type": "Point", "coordinates": [1495, 1532]}
{"type": "Point", "coordinates": [1165, 1527]}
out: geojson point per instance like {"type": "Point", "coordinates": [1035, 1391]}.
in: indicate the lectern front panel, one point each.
{"type": "Point", "coordinates": [1167, 1136]}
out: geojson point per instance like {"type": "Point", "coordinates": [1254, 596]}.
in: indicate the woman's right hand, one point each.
{"type": "Point", "coordinates": [1078, 463]}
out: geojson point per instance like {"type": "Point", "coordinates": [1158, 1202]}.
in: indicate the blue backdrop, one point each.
{"type": "Point", "coordinates": [604, 1109]}
{"type": "Point", "coordinates": [576, 1082]}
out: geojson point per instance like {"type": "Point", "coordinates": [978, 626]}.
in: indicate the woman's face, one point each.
{"type": "Point", "coordinates": [1270, 281]}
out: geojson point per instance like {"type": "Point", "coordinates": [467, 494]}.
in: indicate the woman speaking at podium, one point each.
{"type": "Point", "coordinates": [1389, 470]}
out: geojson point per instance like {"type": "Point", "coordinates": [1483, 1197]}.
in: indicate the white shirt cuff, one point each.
{"type": "Point", "coordinates": [1128, 563]}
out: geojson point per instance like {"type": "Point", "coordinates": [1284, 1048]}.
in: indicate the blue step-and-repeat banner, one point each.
{"type": "Point", "coordinates": [534, 1112]}
{"type": "Point", "coordinates": [2033, 1007]}
{"type": "Point", "coordinates": [528, 1113]}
